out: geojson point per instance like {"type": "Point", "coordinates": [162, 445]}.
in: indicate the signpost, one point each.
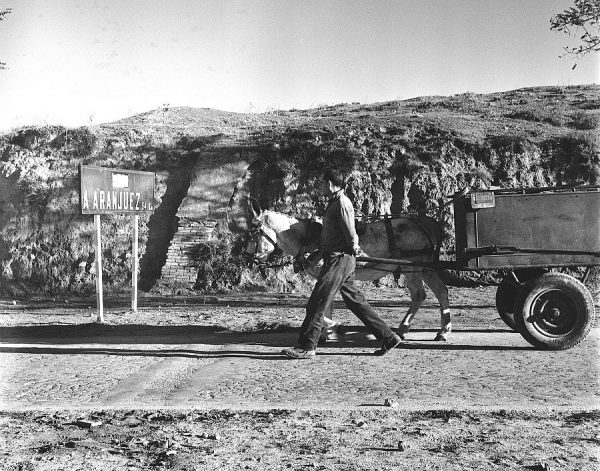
{"type": "Point", "coordinates": [115, 191]}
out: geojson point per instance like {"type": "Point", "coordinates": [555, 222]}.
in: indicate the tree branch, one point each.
{"type": "Point", "coordinates": [582, 20]}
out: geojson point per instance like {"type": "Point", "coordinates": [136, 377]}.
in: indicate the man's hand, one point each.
{"type": "Point", "coordinates": [356, 250]}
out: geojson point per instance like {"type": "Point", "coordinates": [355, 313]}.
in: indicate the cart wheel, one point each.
{"type": "Point", "coordinates": [508, 292]}
{"type": "Point", "coordinates": [554, 312]}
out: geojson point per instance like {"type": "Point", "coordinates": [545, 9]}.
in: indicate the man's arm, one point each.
{"type": "Point", "coordinates": [347, 224]}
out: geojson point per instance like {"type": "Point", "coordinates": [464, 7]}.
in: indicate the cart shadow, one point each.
{"type": "Point", "coordinates": [131, 334]}
{"type": "Point", "coordinates": [173, 334]}
{"type": "Point", "coordinates": [249, 354]}
{"type": "Point", "coordinates": [434, 345]}
{"type": "Point", "coordinates": [102, 339]}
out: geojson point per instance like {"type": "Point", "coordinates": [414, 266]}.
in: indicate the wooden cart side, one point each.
{"type": "Point", "coordinates": [550, 221]}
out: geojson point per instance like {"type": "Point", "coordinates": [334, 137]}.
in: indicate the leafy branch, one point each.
{"type": "Point", "coordinates": [582, 21]}
{"type": "Point", "coordinates": [3, 13]}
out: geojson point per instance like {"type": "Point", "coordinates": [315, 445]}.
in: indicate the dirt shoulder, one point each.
{"type": "Point", "coordinates": [291, 439]}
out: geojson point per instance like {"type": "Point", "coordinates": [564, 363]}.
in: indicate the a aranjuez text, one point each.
{"type": "Point", "coordinates": [124, 200]}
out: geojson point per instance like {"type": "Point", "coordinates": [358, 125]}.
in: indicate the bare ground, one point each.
{"type": "Point", "coordinates": [292, 439]}
{"type": "Point", "coordinates": [199, 383]}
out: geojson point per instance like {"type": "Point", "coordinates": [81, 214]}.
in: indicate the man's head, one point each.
{"type": "Point", "coordinates": [332, 181]}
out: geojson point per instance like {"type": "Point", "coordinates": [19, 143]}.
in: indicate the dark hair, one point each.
{"type": "Point", "coordinates": [335, 176]}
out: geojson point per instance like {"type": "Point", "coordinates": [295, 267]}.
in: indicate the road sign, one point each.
{"type": "Point", "coordinates": [114, 191]}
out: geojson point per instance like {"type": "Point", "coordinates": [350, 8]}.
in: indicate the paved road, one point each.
{"type": "Point", "coordinates": [131, 366]}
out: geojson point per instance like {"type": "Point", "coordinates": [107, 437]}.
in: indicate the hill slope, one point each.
{"type": "Point", "coordinates": [402, 156]}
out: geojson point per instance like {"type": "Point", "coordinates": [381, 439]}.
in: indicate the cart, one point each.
{"type": "Point", "coordinates": [527, 234]}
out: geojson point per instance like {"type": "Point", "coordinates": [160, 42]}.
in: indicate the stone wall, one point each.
{"type": "Point", "coordinates": [180, 267]}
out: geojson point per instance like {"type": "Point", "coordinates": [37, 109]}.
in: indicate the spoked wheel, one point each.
{"type": "Point", "coordinates": [554, 311]}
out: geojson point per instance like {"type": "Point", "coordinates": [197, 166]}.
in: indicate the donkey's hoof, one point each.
{"type": "Point", "coordinates": [335, 333]}
{"type": "Point", "coordinates": [440, 338]}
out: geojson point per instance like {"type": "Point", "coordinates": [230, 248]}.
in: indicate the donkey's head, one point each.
{"type": "Point", "coordinates": [262, 238]}
{"type": "Point", "coordinates": [270, 231]}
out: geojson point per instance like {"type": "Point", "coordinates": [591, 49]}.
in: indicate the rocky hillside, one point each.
{"type": "Point", "coordinates": [402, 156]}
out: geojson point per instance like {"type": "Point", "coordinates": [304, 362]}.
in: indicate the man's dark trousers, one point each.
{"type": "Point", "coordinates": [336, 275]}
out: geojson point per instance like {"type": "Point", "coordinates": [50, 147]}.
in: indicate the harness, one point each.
{"type": "Point", "coordinates": [314, 232]}
{"type": "Point", "coordinates": [434, 248]}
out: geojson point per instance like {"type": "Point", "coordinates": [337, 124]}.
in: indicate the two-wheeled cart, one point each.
{"type": "Point", "coordinates": [527, 234]}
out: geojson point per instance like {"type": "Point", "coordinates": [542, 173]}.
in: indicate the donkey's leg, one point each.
{"type": "Point", "coordinates": [440, 290]}
{"type": "Point", "coordinates": [329, 331]}
{"type": "Point", "coordinates": [414, 283]}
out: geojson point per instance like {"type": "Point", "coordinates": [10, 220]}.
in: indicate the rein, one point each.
{"type": "Point", "coordinates": [262, 232]}
{"type": "Point", "coordinates": [299, 261]}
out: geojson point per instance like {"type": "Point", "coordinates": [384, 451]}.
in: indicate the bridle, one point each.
{"type": "Point", "coordinates": [253, 237]}
{"type": "Point", "coordinates": [273, 260]}
{"type": "Point", "coordinates": [255, 232]}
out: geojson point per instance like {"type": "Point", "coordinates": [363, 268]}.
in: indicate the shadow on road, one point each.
{"type": "Point", "coordinates": [169, 334]}
{"type": "Point", "coordinates": [251, 354]}
{"type": "Point", "coordinates": [175, 353]}
{"type": "Point", "coordinates": [111, 334]}
{"type": "Point", "coordinates": [56, 339]}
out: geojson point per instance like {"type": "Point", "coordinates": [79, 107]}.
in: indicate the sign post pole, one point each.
{"type": "Point", "coordinates": [135, 267]}
{"type": "Point", "coordinates": [99, 299]}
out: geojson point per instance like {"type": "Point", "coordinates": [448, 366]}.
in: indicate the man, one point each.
{"type": "Point", "coordinates": [339, 244]}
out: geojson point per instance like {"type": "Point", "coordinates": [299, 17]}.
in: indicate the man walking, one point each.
{"type": "Point", "coordinates": [339, 245]}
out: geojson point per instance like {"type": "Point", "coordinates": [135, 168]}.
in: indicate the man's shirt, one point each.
{"type": "Point", "coordinates": [339, 233]}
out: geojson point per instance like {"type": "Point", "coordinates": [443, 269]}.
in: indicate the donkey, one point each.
{"type": "Point", "coordinates": [410, 237]}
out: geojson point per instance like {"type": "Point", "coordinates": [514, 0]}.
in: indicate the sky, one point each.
{"type": "Point", "coordinates": [83, 62]}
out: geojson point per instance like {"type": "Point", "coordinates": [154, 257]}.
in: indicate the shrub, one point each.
{"type": "Point", "coordinates": [220, 264]}
{"type": "Point", "coordinates": [539, 114]}
{"type": "Point", "coordinates": [585, 120]}
{"type": "Point", "coordinates": [576, 159]}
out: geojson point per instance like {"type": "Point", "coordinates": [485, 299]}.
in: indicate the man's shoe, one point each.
{"type": "Point", "coordinates": [388, 345]}
{"type": "Point", "coordinates": [299, 353]}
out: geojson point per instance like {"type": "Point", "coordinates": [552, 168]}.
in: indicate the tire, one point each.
{"type": "Point", "coordinates": [507, 293]}
{"type": "Point", "coordinates": [554, 312]}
